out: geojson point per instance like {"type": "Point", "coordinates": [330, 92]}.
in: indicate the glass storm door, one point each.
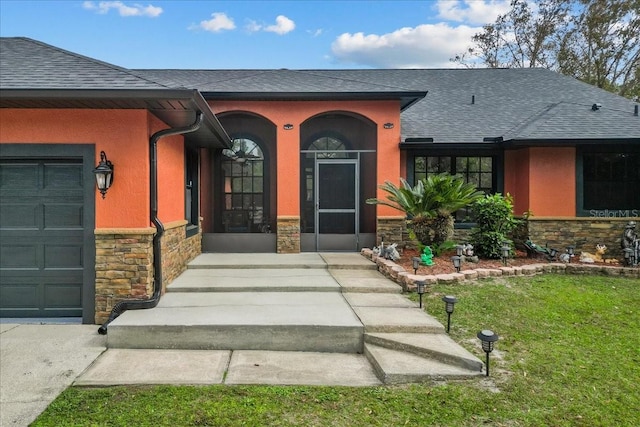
{"type": "Point", "coordinates": [337, 205]}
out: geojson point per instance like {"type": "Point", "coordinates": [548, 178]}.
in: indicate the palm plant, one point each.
{"type": "Point", "coordinates": [429, 204]}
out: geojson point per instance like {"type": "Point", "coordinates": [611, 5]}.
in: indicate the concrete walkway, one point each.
{"type": "Point", "coordinates": [37, 362]}
{"type": "Point", "coordinates": [395, 342]}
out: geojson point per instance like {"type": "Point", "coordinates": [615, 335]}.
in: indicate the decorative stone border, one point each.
{"type": "Point", "coordinates": [408, 281]}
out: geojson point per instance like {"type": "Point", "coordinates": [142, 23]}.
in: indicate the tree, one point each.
{"type": "Point", "coordinates": [429, 204]}
{"type": "Point", "coordinates": [596, 41]}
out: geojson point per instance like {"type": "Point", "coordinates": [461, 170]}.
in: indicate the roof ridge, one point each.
{"type": "Point", "coordinates": [310, 72]}
{"type": "Point", "coordinates": [87, 58]}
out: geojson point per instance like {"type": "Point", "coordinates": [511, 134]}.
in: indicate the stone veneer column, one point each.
{"type": "Point", "coordinates": [288, 240]}
{"type": "Point", "coordinates": [124, 267]}
{"type": "Point", "coordinates": [394, 229]}
{"type": "Point", "coordinates": [124, 262]}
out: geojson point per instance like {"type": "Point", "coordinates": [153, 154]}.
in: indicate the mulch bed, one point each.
{"type": "Point", "coordinates": [443, 264]}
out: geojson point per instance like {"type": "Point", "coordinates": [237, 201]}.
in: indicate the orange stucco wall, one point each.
{"type": "Point", "coordinates": [288, 153]}
{"type": "Point", "coordinates": [124, 136]}
{"type": "Point", "coordinates": [171, 174]}
{"type": "Point", "coordinates": [542, 180]}
{"type": "Point", "coordinates": [516, 178]}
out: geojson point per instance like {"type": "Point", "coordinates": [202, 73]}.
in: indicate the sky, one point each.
{"type": "Point", "coordinates": [243, 34]}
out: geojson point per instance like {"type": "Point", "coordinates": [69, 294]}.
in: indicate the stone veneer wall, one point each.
{"type": "Point", "coordinates": [583, 233]}
{"type": "Point", "coordinates": [288, 232]}
{"type": "Point", "coordinates": [177, 251]}
{"type": "Point", "coordinates": [394, 229]}
{"type": "Point", "coordinates": [124, 267]}
{"type": "Point", "coordinates": [124, 262]}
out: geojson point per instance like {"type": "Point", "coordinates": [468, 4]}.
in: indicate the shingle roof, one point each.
{"type": "Point", "coordinates": [30, 64]}
{"type": "Point", "coordinates": [514, 104]}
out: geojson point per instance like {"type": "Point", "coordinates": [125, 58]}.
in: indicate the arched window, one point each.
{"type": "Point", "coordinates": [328, 143]}
{"type": "Point", "coordinates": [244, 201]}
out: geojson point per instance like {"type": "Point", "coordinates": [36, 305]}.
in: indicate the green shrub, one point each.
{"type": "Point", "coordinates": [494, 223]}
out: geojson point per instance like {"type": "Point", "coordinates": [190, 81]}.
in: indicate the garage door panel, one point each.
{"type": "Point", "coordinates": [63, 295]}
{"type": "Point", "coordinates": [20, 295]}
{"type": "Point", "coordinates": [23, 176]}
{"type": "Point", "coordinates": [20, 255]}
{"type": "Point", "coordinates": [63, 215]}
{"type": "Point", "coordinates": [19, 215]}
{"type": "Point", "coordinates": [63, 256]}
{"type": "Point", "coordinates": [62, 175]}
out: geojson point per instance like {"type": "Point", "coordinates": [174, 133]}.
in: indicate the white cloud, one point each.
{"type": "Point", "coordinates": [252, 26]}
{"type": "Point", "coordinates": [315, 33]}
{"type": "Point", "coordinates": [104, 7]}
{"type": "Point", "coordinates": [472, 11]}
{"type": "Point", "coordinates": [219, 22]}
{"type": "Point", "coordinates": [425, 46]}
{"type": "Point", "coordinates": [282, 26]}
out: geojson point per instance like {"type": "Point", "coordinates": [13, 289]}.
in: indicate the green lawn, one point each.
{"type": "Point", "coordinates": [568, 355]}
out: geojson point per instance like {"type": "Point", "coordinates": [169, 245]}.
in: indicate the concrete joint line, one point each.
{"type": "Point", "coordinates": [226, 368]}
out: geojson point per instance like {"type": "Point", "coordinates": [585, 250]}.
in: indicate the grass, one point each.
{"type": "Point", "coordinates": [568, 355]}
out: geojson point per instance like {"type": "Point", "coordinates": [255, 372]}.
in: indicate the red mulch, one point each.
{"type": "Point", "coordinates": [443, 264]}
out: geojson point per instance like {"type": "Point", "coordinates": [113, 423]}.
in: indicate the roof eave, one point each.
{"type": "Point", "coordinates": [176, 107]}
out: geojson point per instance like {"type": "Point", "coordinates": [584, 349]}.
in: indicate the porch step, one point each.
{"type": "Point", "coordinates": [398, 367]}
{"type": "Point", "coordinates": [304, 260]}
{"type": "Point", "coordinates": [254, 280]}
{"type": "Point", "coordinates": [296, 321]}
{"type": "Point", "coordinates": [364, 281]}
{"type": "Point", "coordinates": [436, 346]}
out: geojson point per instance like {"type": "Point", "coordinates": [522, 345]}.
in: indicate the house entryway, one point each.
{"type": "Point", "coordinates": [336, 201]}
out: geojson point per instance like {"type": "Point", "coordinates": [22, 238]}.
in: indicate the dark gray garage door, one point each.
{"type": "Point", "coordinates": [42, 231]}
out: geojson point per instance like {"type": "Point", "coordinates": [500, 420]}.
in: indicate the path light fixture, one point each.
{"type": "Point", "coordinates": [416, 264]}
{"type": "Point", "coordinates": [571, 251]}
{"type": "Point", "coordinates": [457, 262]}
{"type": "Point", "coordinates": [449, 302]}
{"type": "Point", "coordinates": [552, 254]}
{"type": "Point", "coordinates": [459, 249]}
{"type": "Point", "coordinates": [104, 174]}
{"type": "Point", "coordinates": [506, 250]}
{"type": "Point", "coordinates": [487, 337]}
{"type": "Point", "coordinates": [420, 287]}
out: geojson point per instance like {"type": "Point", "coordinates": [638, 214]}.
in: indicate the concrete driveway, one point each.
{"type": "Point", "coordinates": [39, 361]}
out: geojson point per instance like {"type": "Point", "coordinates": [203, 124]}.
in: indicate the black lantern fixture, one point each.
{"type": "Point", "coordinates": [488, 338]}
{"type": "Point", "coordinates": [104, 174]}
{"type": "Point", "coordinates": [571, 250]}
{"type": "Point", "coordinates": [416, 264]}
{"type": "Point", "coordinates": [459, 250]}
{"type": "Point", "coordinates": [449, 302]}
{"type": "Point", "coordinates": [457, 262]}
{"type": "Point", "coordinates": [552, 254]}
{"type": "Point", "coordinates": [420, 287]}
{"type": "Point", "coordinates": [506, 251]}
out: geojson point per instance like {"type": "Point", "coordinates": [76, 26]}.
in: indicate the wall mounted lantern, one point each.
{"type": "Point", "coordinates": [104, 174]}
{"type": "Point", "coordinates": [287, 126]}
{"type": "Point", "coordinates": [449, 302]}
{"type": "Point", "coordinates": [457, 262]}
{"type": "Point", "coordinates": [388, 125]}
{"type": "Point", "coordinates": [488, 338]}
